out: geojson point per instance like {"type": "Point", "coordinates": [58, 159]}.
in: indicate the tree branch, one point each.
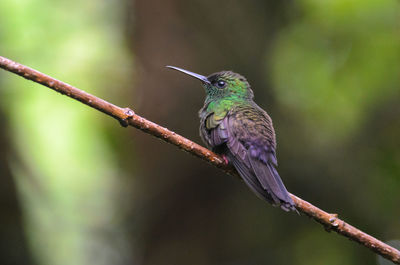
{"type": "Point", "coordinates": [127, 117]}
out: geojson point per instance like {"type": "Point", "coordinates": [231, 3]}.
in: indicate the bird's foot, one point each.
{"type": "Point", "coordinates": [226, 162]}
{"type": "Point", "coordinates": [129, 114]}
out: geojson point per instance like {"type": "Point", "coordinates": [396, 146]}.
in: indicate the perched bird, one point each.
{"type": "Point", "coordinates": [234, 126]}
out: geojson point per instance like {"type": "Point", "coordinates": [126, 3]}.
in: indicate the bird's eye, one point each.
{"type": "Point", "coordinates": [221, 84]}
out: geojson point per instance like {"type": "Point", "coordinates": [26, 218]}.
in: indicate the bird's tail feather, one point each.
{"type": "Point", "coordinates": [264, 180]}
{"type": "Point", "coordinates": [270, 180]}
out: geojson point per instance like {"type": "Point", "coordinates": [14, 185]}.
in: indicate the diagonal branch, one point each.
{"type": "Point", "coordinates": [127, 117]}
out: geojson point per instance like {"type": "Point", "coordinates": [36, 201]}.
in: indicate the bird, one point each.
{"type": "Point", "coordinates": [235, 127]}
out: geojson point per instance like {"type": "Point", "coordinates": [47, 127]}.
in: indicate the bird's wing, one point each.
{"type": "Point", "coordinates": [251, 144]}
{"type": "Point", "coordinates": [213, 130]}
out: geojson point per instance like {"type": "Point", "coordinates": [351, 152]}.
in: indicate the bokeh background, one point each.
{"type": "Point", "coordinates": [77, 188]}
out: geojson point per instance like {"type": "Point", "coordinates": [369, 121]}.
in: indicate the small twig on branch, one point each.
{"type": "Point", "coordinates": [127, 117]}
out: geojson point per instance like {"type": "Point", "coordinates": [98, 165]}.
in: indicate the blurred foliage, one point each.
{"type": "Point", "coordinates": [336, 62]}
{"type": "Point", "coordinates": [326, 71]}
{"type": "Point", "coordinates": [67, 173]}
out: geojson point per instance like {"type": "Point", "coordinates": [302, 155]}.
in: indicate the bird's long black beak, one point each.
{"type": "Point", "coordinates": [202, 78]}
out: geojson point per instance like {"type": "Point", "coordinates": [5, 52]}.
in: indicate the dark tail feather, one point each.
{"type": "Point", "coordinates": [270, 180]}
{"type": "Point", "coordinates": [277, 195]}
{"type": "Point", "coordinates": [250, 179]}
{"type": "Point", "coordinates": [287, 202]}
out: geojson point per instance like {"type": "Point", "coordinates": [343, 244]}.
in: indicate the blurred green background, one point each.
{"type": "Point", "coordinates": [77, 188]}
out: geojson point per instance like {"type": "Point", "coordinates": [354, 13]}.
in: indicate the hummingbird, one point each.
{"type": "Point", "coordinates": [235, 127]}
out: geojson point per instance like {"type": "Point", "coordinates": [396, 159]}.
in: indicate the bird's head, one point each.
{"type": "Point", "coordinates": [225, 84]}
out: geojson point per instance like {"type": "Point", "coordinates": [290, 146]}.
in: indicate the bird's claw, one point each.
{"type": "Point", "coordinates": [129, 114]}
{"type": "Point", "coordinates": [225, 159]}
